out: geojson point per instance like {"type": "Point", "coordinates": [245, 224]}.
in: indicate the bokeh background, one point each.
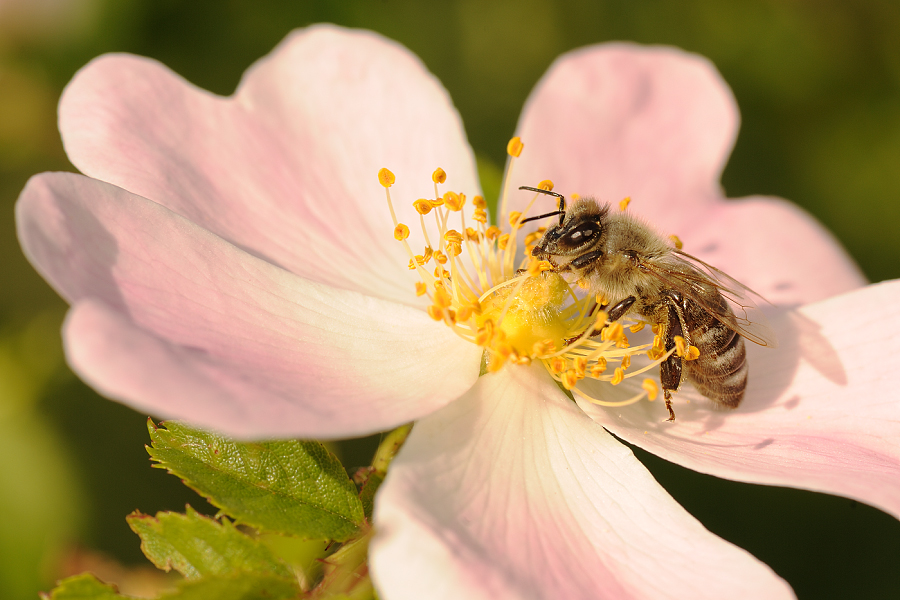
{"type": "Point", "coordinates": [818, 84]}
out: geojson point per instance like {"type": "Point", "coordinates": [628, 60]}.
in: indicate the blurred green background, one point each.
{"type": "Point", "coordinates": [818, 84]}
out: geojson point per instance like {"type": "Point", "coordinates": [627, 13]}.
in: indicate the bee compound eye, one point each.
{"type": "Point", "coordinates": [581, 234]}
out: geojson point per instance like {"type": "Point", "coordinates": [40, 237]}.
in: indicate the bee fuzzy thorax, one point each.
{"type": "Point", "coordinates": [519, 308]}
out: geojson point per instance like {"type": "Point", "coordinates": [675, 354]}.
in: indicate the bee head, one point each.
{"type": "Point", "coordinates": [577, 233]}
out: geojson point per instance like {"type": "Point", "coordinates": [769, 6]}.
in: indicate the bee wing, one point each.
{"type": "Point", "coordinates": [689, 275]}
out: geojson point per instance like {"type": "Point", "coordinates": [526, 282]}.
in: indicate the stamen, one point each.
{"type": "Point", "coordinates": [401, 232]}
{"type": "Point", "coordinates": [624, 202]}
{"type": "Point", "coordinates": [676, 241]}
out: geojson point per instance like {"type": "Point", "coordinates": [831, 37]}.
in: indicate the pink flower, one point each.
{"type": "Point", "coordinates": [230, 262]}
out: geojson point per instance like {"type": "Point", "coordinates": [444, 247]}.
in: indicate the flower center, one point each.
{"type": "Point", "coordinates": [515, 307]}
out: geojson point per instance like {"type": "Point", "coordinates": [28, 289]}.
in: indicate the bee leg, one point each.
{"type": "Point", "coordinates": [618, 311]}
{"type": "Point", "coordinates": [670, 370]}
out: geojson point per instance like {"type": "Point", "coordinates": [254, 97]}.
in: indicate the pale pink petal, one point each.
{"type": "Point", "coordinates": [822, 411]}
{"type": "Point", "coordinates": [657, 124]}
{"type": "Point", "coordinates": [173, 320]}
{"type": "Point", "coordinates": [287, 168]}
{"type": "Point", "coordinates": [512, 492]}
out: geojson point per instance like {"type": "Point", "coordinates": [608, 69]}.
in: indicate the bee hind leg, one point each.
{"type": "Point", "coordinates": [668, 396]}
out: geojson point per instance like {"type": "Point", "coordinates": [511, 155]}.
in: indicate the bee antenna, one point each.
{"type": "Point", "coordinates": [561, 210]}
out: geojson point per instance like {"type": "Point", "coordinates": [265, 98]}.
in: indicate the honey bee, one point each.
{"type": "Point", "coordinates": [623, 259]}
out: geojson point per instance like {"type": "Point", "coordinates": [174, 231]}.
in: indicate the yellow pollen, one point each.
{"type": "Point", "coordinates": [441, 273]}
{"type": "Point", "coordinates": [693, 353]}
{"type": "Point", "coordinates": [412, 265]}
{"type": "Point", "coordinates": [514, 147]}
{"type": "Point", "coordinates": [546, 185]}
{"type": "Point", "coordinates": [480, 215]}
{"type": "Point", "coordinates": [536, 267]}
{"type": "Point", "coordinates": [422, 206]}
{"type": "Point", "coordinates": [601, 299]}
{"type": "Point", "coordinates": [651, 388]}
{"type": "Point", "coordinates": [436, 312]}
{"type": "Point", "coordinates": [451, 235]}
{"type": "Point", "coordinates": [454, 249]}
{"type": "Point", "coordinates": [626, 361]}
{"type": "Point", "coordinates": [680, 346]}
{"type": "Point", "coordinates": [440, 257]}
{"type": "Point", "coordinates": [471, 234]}
{"type": "Point", "coordinates": [655, 328]}
{"type": "Point", "coordinates": [569, 379]}
{"type": "Point", "coordinates": [492, 233]}
{"type": "Point", "coordinates": [676, 241]}
{"type": "Point", "coordinates": [386, 178]}
{"type": "Point", "coordinates": [598, 368]}
{"type": "Point", "coordinates": [600, 320]}
{"type": "Point", "coordinates": [436, 202]}
{"type": "Point", "coordinates": [580, 363]}
{"type": "Point", "coordinates": [439, 175]}
{"type": "Point", "coordinates": [624, 202]}
{"type": "Point", "coordinates": [479, 202]}
{"type": "Point", "coordinates": [558, 365]}
{"type": "Point", "coordinates": [484, 334]}
{"type": "Point", "coordinates": [622, 342]}
{"type": "Point", "coordinates": [514, 219]}
{"type": "Point", "coordinates": [637, 327]}
{"type": "Point", "coordinates": [613, 333]}
{"type": "Point", "coordinates": [421, 288]}
{"type": "Point", "coordinates": [618, 376]}
{"type": "Point", "coordinates": [401, 232]}
{"type": "Point", "coordinates": [454, 201]}
{"type": "Point", "coordinates": [503, 241]}
{"type": "Point", "coordinates": [543, 348]}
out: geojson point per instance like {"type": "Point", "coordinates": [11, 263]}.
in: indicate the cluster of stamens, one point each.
{"type": "Point", "coordinates": [518, 308]}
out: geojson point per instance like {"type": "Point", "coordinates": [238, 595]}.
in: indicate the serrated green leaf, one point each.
{"type": "Point", "coordinates": [291, 487]}
{"type": "Point", "coordinates": [83, 587]}
{"type": "Point", "coordinates": [245, 586]}
{"type": "Point", "coordinates": [196, 546]}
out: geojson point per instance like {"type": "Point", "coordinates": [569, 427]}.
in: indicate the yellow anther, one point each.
{"type": "Point", "coordinates": [441, 273]}
{"type": "Point", "coordinates": [440, 257]}
{"type": "Point", "coordinates": [558, 364]}
{"type": "Point", "coordinates": [626, 361]}
{"type": "Point", "coordinates": [600, 319]}
{"type": "Point", "coordinates": [601, 299]}
{"type": "Point", "coordinates": [401, 232]}
{"type": "Point", "coordinates": [492, 233]}
{"type": "Point", "coordinates": [536, 267]}
{"type": "Point", "coordinates": [464, 313]}
{"type": "Point", "coordinates": [514, 147]}
{"type": "Point", "coordinates": [454, 249]}
{"type": "Point", "coordinates": [693, 353]}
{"type": "Point", "coordinates": [480, 216]}
{"type": "Point", "coordinates": [574, 196]}
{"type": "Point", "coordinates": [478, 202]}
{"type": "Point", "coordinates": [655, 328]}
{"type": "Point", "coordinates": [584, 284]}
{"type": "Point", "coordinates": [598, 368]}
{"type": "Point", "coordinates": [502, 241]}
{"type": "Point", "coordinates": [514, 219]}
{"type": "Point", "coordinates": [680, 346]}
{"type": "Point", "coordinates": [436, 202]}
{"type": "Point", "coordinates": [546, 185]}
{"type": "Point", "coordinates": [614, 332]}
{"type": "Point", "coordinates": [569, 379]}
{"type": "Point", "coordinates": [422, 206]}
{"type": "Point", "coordinates": [484, 334]}
{"type": "Point", "coordinates": [420, 260]}
{"type": "Point", "coordinates": [411, 265]}
{"type": "Point", "coordinates": [580, 364]}
{"type": "Point", "coordinates": [451, 315]}
{"type": "Point", "coordinates": [472, 234]}
{"type": "Point", "coordinates": [651, 388]}
{"type": "Point", "coordinates": [439, 175]}
{"type": "Point", "coordinates": [624, 202]}
{"type": "Point", "coordinates": [428, 253]}
{"type": "Point", "coordinates": [442, 298]}
{"type": "Point", "coordinates": [676, 241]}
{"type": "Point", "coordinates": [436, 312]}
{"type": "Point", "coordinates": [452, 235]}
{"type": "Point", "coordinates": [655, 353]}
{"type": "Point", "coordinates": [421, 288]}
{"type": "Point", "coordinates": [622, 342]}
{"type": "Point", "coordinates": [543, 348]}
{"type": "Point", "coordinates": [454, 201]}
{"type": "Point", "coordinates": [531, 238]}
{"type": "Point", "coordinates": [618, 376]}
{"type": "Point", "coordinates": [637, 327]}
{"type": "Point", "coordinates": [386, 178]}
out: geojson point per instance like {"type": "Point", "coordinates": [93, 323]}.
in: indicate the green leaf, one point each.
{"type": "Point", "coordinates": [83, 587]}
{"type": "Point", "coordinates": [245, 586]}
{"type": "Point", "coordinates": [367, 493]}
{"type": "Point", "coordinates": [291, 487]}
{"type": "Point", "coordinates": [196, 546]}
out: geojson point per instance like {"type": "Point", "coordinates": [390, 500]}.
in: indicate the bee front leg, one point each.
{"type": "Point", "coordinates": [670, 371]}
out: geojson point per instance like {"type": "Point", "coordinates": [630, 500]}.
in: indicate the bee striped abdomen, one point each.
{"type": "Point", "coordinates": [720, 372]}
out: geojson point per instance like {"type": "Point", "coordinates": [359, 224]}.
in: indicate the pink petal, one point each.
{"type": "Point", "coordinates": [657, 124]}
{"type": "Point", "coordinates": [822, 411]}
{"type": "Point", "coordinates": [287, 168]}
{"type": "Point", "coordinates": [617, 120]}
{"type": "Point", "coordinates": [512, 492]}
{"type": "Point", "coordinates": [173, 320]}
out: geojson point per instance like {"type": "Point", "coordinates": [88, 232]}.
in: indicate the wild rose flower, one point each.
{"type": "Point", "coordinates": [230, 261]}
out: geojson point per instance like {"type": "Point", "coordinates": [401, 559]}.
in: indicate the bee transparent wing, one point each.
{"type": "Point", "coordinates": [690, 275]}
